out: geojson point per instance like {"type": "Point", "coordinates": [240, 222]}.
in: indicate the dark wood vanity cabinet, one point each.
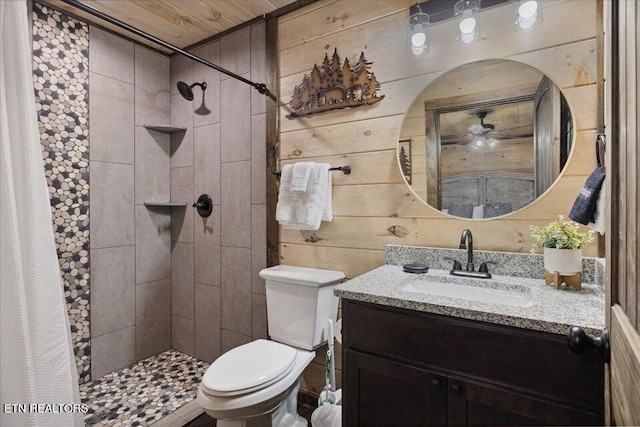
{"type": "Point", "coordinates": [380, 388]}
{"type": "Point", "coordinates": [479, 403]}
{"type": "Point", "coordinates": [405, 368]}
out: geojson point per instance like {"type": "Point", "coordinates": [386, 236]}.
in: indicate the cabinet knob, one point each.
{"type": "Point", "coordinates": [436, 384]}
{"type": "Point", "coordinates": [456, 390]}
{"type": "Point", "coordinates": [579, 342]}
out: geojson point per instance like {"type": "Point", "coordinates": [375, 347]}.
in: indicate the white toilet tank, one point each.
{"type": "Point", "coordinates": [300, 300]}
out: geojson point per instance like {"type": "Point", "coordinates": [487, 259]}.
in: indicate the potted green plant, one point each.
{"type": "Point", "coordinates": [562, 243]}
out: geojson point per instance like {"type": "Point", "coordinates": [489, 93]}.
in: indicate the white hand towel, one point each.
{"type": "Point", "coordinates": [297, 210]}
{"type": "Point", "coordinates": [285, 208]}
{"type": "Point", "coordinates": [599, 214]}
{"type": "Point", "coordinates": [310, 210]}
{"type": "Point", "coordinates": [300, 176]}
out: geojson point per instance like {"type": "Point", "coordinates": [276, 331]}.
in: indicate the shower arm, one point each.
{"type": "Point", "coordinates": [202, 85]}
{"type": "Point", "coordinates": [260, 87]}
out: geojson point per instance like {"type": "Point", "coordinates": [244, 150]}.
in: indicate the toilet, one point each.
{"type": "Point", "coordinates": [257, 384]}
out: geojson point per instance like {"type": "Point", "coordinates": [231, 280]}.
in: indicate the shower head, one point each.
{"type": "Point", "coordinates": [185, 89]}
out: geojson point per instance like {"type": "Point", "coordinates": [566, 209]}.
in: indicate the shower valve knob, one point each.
{"type": "Point", "coordinates": [204, 205]}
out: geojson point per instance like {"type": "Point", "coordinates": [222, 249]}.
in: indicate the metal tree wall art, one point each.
{"type": "Point", "coordinates": [335, 85]}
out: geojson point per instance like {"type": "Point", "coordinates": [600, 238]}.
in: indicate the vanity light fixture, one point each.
{"type": "Point", "coordinates": [468, 24]}
{"type": "Point", "coordinates": [418, 36]}
{"type": "Point", "coordinates": [528, 14]}
{"type": "Point", "coordinates": [423, 15]}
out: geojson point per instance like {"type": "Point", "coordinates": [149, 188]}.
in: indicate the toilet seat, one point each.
{"type": "Point", "coordinates": [248, 368]}
{"type": "Point", "coordinates": [261, 401]}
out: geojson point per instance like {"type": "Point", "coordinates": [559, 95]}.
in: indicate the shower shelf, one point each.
{"type": "Point", "coordinates": [166, 204]}
{"type": "Point", "coordinates": [166, 128]}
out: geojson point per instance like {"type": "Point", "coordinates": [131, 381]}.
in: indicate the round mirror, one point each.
{"type": "Point", "coordinates": [485, 139]}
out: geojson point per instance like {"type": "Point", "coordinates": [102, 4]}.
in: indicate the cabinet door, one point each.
{"type": "Point", "coordinates": [379, 392]}
{"type": "Point", "coordinates": [481, 404]}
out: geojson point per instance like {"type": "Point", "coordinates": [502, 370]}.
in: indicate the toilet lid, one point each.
{"type": "Point", "coordinates": [249, 367]}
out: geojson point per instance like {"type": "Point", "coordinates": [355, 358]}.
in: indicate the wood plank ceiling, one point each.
{"type": "Point", "coordinates": [179, 22]}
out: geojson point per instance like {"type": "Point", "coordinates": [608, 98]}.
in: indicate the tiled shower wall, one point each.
{"type": "Point", "coordinates": [95, 90]}
{"type": "Point", "coordinates": [217, 298]}
{"type": "Point", "coordinates": [60, 77]}
{"type": "Point", "coordinates": [160, 277]}
{"type": "Point", "coordinates": [130, 243]}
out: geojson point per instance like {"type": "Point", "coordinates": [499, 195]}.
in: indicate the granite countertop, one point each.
{"type": "Point", "coordinates": [551, 310]}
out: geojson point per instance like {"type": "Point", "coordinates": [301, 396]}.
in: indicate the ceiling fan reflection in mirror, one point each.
{"type": "Point", "coordinates": [486, 131]}
{"type": "Point", "coordinates": [482, 128]}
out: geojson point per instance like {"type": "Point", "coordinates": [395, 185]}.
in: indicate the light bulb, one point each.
{"type": "Point", "coordinates": [479, 143]}
{"type": "Point", "coordinates": [467, 25]}
{"type": "Point", "coordinates": [468, 22]}
{"type": "Point", "coordinates": [417, 36]}
{"type": "Point", "coordinates": [528, 15]}
{"type": "Point", "coordinates": [528, 9]}
{"type": "Point", "coordinates": [418, 39]}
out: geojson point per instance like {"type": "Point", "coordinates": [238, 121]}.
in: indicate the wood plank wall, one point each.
{"type": "Point", "coordinates": [622, 247]}
{"type": "Point", "coordinates": [627, 206]}
{"type": "Point", "coordinates": [373, 206]}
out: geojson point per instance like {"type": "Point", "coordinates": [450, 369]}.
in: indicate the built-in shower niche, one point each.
{"type": "Point", "coordinates": [168, 129]}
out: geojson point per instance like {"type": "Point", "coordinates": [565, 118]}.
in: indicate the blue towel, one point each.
{"type": "Point", "coordinates": [585, 205]}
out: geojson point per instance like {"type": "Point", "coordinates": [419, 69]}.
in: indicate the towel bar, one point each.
{"type": "Point", "coordinates": [345, 170]}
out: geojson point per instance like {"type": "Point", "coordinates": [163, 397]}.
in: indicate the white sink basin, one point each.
{"type": "Point", "coordinates": [480, 290]}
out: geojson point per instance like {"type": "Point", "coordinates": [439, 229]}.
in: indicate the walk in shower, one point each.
{"type": "Point", "coordinates": [154, 291]}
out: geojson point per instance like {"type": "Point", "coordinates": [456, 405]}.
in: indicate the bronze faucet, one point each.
{"type": "Point", "coordinates": [464, 238]}
{"type": "Point", "coordinates": [466, 242]}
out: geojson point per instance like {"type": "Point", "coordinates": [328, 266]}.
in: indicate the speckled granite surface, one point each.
{"type": "Point", "coordinates": [508, 263]}
{"type": "Point", "coordinates": [550, 310]}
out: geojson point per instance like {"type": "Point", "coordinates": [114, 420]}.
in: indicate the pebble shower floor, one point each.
{"type": "Point", "coordinates": [145, 392]}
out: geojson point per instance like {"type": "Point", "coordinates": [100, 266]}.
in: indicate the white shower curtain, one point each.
{"type": "Point", "coordinates": [36, 358]}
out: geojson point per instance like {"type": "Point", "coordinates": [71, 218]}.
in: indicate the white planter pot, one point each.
{"type": "Point", "coordinates": [567, 262]}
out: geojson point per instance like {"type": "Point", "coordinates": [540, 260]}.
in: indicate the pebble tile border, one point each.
{"type": "Point", "coordinates": [60, 78]}
{"type": "Point", "coordinates": [145, 392]}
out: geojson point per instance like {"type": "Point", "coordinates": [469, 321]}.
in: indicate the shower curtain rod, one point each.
{"type": "Point", "coordinates": [260, 87]}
